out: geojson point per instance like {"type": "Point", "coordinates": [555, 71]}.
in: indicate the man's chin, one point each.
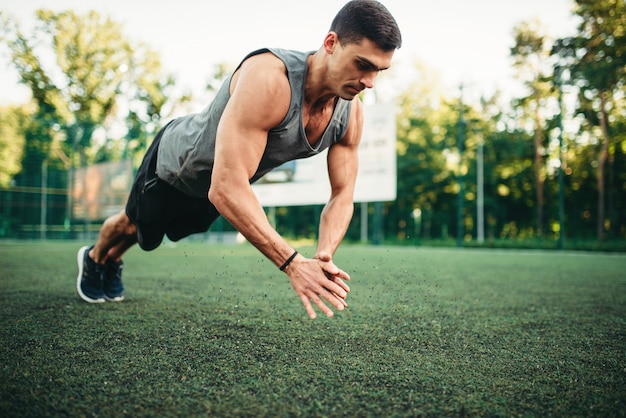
{"type": "Point", "coordinates": [348, 95]}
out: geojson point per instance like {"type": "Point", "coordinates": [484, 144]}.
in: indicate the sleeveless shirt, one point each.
{"type": "Point", "coordinates": [187, 149]}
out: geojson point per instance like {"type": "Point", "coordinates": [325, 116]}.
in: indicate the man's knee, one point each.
{"type": "Point", "coordinates": [121, 223]}
{"type": "Point", "coordinates": [129, 227]}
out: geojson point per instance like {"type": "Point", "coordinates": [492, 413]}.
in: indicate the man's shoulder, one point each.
{"type": "Point", "coordinates": [287, 56]}
{"type": "Point", "coordinates": [263, 72]}
{"type": "Point", "coordinates": [290, 54]}
{"type": "Point", "coordinates": [266, 59]}
{"type": "Point", "coordinates": [287, 68]}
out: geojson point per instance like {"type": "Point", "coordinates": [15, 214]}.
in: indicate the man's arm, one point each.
{"type": "Point", "coordinates": [260, 96]}
{"type": "Point", "coordinates": [241, 140]}
{"type": "Point", "coordinates": [342, 171]}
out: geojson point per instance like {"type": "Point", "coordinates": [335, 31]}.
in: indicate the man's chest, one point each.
{"type": "Point", "coordinates": [315, 122]}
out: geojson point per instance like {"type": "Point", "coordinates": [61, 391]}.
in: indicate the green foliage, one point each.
{"type": "Point", "coordinates": [531, 55]}
{"type": "Point", "coordinates": [95, 68]}
{"type": "Point", "coordinates": [11, 142]}
{"type": "Point", "coordinates": [426, 175]}
{"type": "Point", "coordinates": [596, 58]}
{"type": "Point", "coordinates": [217, 331]}
{"type": "Point", "coordinates": [602, 41]}
{"type": "Point", "coordinates": [97, 71]}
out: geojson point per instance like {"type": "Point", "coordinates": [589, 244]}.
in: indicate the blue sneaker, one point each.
{"type": "Point", "coordinates": [89, 283]}
{"type": "Point", "coordinates": [113, 287]}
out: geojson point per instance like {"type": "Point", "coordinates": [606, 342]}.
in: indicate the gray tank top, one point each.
{"type": "Point", "coordinates": [187, 149]}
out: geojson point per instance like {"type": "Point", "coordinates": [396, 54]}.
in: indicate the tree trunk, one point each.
{"type": "Point", "coordinates": [613, 217]}
{"type": "Point", "coordinates": [602, 157]}
{"type": "Point", "coordinates": [538, 176]}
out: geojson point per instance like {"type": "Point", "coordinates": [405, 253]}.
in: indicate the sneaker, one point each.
{"type": "Point", "coordinates": [89, 283]}
{"type": "Point", "coordinates": [113, 287]}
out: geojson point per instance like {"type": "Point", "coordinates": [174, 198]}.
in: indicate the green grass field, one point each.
{"type": "Point", "coordinates": [210, 330]}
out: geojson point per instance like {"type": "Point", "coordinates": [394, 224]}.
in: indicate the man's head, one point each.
{"type": "Point", "coordinates": [369, 19]}
{"type": "Point", "coordinates": [360, 44]}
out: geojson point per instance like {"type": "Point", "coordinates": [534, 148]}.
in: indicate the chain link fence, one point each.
{"type": "Point", "coordinates": [65, 204]}
{"type": "Point", "coordinates": [71, 204]}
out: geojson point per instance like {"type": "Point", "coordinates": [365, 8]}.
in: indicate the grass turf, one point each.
{"type": "Point", "coordinates": [209, 330]}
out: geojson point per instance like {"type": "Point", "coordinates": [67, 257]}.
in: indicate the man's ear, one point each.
{"type": "Point", "coordinates": [331, 41]}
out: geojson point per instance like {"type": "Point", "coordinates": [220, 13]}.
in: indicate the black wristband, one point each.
{"type": "Point", "coordinates": [289, 260]}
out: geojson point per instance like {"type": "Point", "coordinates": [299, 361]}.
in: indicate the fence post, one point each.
{"type": "Point", "coordinates": [44, 199]}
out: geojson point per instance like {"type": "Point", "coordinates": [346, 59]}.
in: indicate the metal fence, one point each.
{"type": "Point", "coordinates": [55, 204]}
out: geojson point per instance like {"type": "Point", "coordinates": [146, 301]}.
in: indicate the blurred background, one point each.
{"type": "Point", "coordinates": [510, 115]}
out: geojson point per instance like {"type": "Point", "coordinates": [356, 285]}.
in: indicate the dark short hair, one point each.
{"type": "Point", "coordinates": [369, 19]}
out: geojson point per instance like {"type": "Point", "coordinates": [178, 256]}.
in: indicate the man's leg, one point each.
{"type": "Point", "coordinates": [100, 266]}
{"type": "Point", "coordinates": [116, 236]}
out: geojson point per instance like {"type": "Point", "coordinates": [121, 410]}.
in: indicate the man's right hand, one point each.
{"type": "Point", "coordinates": [316, 280]}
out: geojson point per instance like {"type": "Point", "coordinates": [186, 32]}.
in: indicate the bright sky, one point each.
{"type": "Point", "coordinates": [466, 41]}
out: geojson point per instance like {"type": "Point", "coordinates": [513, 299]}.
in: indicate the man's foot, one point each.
{"type": "Point", "coordinates": [89, 283]}
{"type": "Point", "coordinates": [113, 287]}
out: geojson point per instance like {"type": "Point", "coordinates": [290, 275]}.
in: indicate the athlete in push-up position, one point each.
{"type": "Point", "coordinates": [278, 105]}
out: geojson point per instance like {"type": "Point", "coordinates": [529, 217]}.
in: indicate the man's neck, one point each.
{"type": "Point", "coordinates": [316, 92]}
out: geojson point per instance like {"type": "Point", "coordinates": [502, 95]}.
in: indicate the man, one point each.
{"type": "Point", "coordinates": [277, 106]}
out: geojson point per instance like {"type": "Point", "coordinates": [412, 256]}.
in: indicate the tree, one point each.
{"type": "Point", "coordinates": [597, 58]}
{"type": "Point", "coordinates": [11, 142]}
{"type": "Point", "coordinates": [425, 182]}
{"type": "Point", "coordinates": [95, 68]}
{"type": "Point", "coordinates": [95, 71]}
{"type": "Point", "coordinates": [531, 54]}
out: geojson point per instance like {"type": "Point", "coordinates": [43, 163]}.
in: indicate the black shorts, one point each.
{"type": "Point", "coordinates": [159, 209]}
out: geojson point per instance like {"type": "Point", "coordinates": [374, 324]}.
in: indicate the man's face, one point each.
{"type": "Point", "coordinates": [354, 67]}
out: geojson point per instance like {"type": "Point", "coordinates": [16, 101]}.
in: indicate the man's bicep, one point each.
{"type": "Point", "coordinates": [258, 102]}
{"type": "Point", "coordinates": [343, 166]}
{"type": "Point", "coordinates": [343, 158]}
{"type": "Point", "coordinates": [239, 145]}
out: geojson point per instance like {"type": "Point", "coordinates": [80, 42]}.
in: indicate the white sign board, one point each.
{"type": "Point", "coordinates": [305, 182]}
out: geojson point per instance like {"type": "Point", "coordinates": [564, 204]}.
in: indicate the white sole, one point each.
{"type": "Point", "coordinates": [79, 259]}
